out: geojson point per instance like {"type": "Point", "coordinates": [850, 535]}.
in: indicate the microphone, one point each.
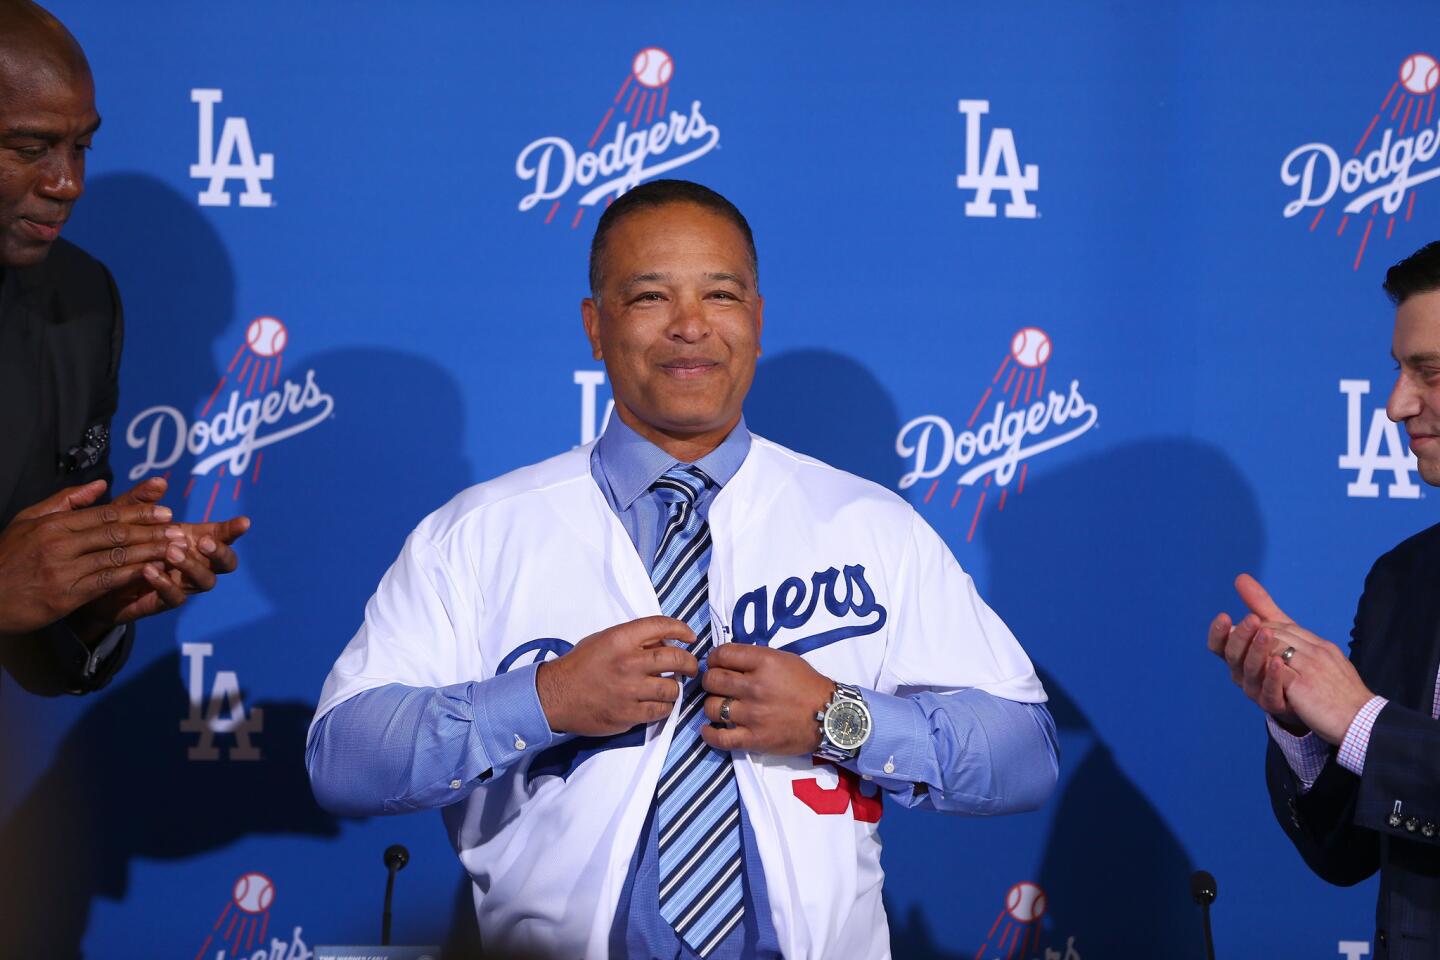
{"type": "Point", "coordinates": [396, 856]}
{"type": "Point", "coordinates": [1203, 891]}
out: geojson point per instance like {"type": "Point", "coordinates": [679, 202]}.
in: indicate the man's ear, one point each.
{"type": "Point", "coordinates": [590, 316]}
{"type": "Point", "coordinates": [759, 324]}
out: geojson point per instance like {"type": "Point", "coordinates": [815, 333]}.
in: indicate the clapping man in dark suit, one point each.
{"type": "Point", "coordinates": [75, 570]}
{"type": "Point", "coordinates": [1354, 757]}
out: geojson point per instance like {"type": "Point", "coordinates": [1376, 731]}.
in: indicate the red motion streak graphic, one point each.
{"type": "Point", "coordinates": [231, 927]}
{"type": "Point", "coordinates": [664, 98]}
{"type": "Point", "coordinates": [223, 914]}
{"type": "Point", "coordinates": [1410, 207]}
{"type": "Point", "coordinates": [956, 499]}
{"type": "Point", "coordinates": [1389, 228]}
{"type": "Point", "coordinates": [1313, 223]}
{"type": "Point", "coordinates": [244, 368]}
{"type": "Point", "coordinates": [580, 212]}
{"type": "Point", "coordinates": [1430, 110]}
{"type": "Point", "coordinates": [264, 925]}
{"type": "Point", "coordinates": [1011, 379]}
{"type": "Point", "coordinates": [1041, 388]}
{"type": "Point", "coordinates": [975, 519]}
{"type": "Point", "coordinates": [206, 409]}
{"type": "Point", "coordinates": [189, 486]}
{"type": "Point", "coordinates": [255, 477]}
{"type": "Point", "coordinates": [978, 953]}
{"type": "Point", "coordinates": [600, 129]}
{"type": "Point", "coordinates": [250, 935]}
{"type": "Point", "coordinates": [931, 492]}
{"type": "Point", "coordinates": [279, 359]}
{"type": "Point", "coordinates": [1363, 240]}
{"type": "Point", "coordinates": [629, 77]}
{"type": "Point", "coordinates": [1408, 105]}
{"type": "Point", "coordinates": [1386, 102]}
{"type": "Point", "coordinates": [1023, 467]}
{"type": "Point", "coordinates": [650, 110]}
{"type": "Point", "coordinates": [1343, 220]}
{"type": "Point", "coordinates": [236, 359]}
{"type": "Point", "coordinates": [238, 481]}
{"type": "Point", "coordinates": [1003, 493]}
{"type": "Point", "coordinates": [251, 385]}
{"type": "Point", "coordinates": [994, 925]}
{"type": "Point", "coordinates": [631, 102]}
{"type": "Point", "coordinates": [551, 215]}
{"type": "Point", "coordinates": [211, 506]}
{"type": "Point", "coordinates": [1373, 120]}
{"type": "Point", "coordinates": [1003, 364]}
{"type": "Point", "coordinates": [978, 407]}
{"type": "Point", "coordinates": [206, 945]}
{"type": "Point", "coordinates": [1396, 112]}
{"type": "Point", "coordinates": [1029, 386]}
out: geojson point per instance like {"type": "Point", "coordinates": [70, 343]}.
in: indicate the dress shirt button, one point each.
{"type": "Point", "coordinates": [454, 784]}
{"type": "Point", "coordinates": [1394, 820]}
{"type": "Point", "coordinates": [1411, 824]}
{"type": "Point", "coordinates": [519, 742]}
{"type": "Point", "coordinates": [890, 765]}
{"type": "Point", "coordinates": [1428, 830]}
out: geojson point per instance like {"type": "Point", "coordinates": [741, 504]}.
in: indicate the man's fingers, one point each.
{"type": "Point", "coordinates": [124, 556]}
{"type": "Point", "coordinates": [725, 738]}
{"type": "Point", "coordinates": [109, 514]}
{"type": "Point", "coordinates": [194, 568]}
{"type": "Point", "coordinates": [740, 657]}
{"type": "Point", "coordinates": [1253, 675]}
{"type": "Point", "coordinates": [1258, 599]}
{"type": "Point", "coordinates": [725, 683]}
{"type": "Point", "coordinates": [668, 659]}
{"type": "Point", "coordinates": [1219, 633]}
{"type": "Point", "coordinates": [713, 705]}
{"type": "Point", "coordinates": [222, 558]}
{"type": "Point", "coordinates": [660, 690]}
{"type": "Point", "coordinates": [652, 631]}
{"type": "Point", "coordinates": [146, 491]}
{"type": "Point", "coordinates": [225, 531]}
{"type": "Point", "coordinates": [95, 585]}
{"type": "Point", "coordinates": [110, 535]}
{"type": "Point", "coordinates": [169, 592]}
{"type": "Point", "coordinates": [71, 498]}
{"type": "Point", "coordinates": [1272, 688]}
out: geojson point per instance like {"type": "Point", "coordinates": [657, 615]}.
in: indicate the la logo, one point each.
{"type": "Point", "coordinates": [233, 159]}
{"type": "Point", "coordinates": [205, 716]}
{"type": "Point", "coordinates": [1395, 458]}
{"type": "Point", "coordinates": [1001, 170]}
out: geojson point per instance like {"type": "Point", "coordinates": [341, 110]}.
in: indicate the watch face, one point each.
{"type": "Point", "coordinates": [847, 725]}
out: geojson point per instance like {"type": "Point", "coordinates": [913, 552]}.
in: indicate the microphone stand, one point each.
{"type": "Point", "coordinates": [1203, 891]}
{"type": "Point", "coordinates": [396, 856]}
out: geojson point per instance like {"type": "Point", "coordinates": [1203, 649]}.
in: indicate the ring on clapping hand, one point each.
{"type": "Point", "coordinates": [1287, 653]}
{"type": "Point", "coordinates": [725, 711]}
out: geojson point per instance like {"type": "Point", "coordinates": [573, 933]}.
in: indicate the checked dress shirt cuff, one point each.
{"type": "Point", "coordinates": [1357, 738]}
{"type": "Point", "coordinates": [1306, 755]}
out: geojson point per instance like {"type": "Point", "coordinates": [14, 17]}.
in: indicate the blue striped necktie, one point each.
{"type": "Point", "coordinates": [697, 803]}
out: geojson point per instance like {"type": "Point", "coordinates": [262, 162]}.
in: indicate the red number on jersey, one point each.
{"type": "Point", "coordinates": [843, 796]}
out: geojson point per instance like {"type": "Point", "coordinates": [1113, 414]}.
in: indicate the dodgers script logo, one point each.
{"type": "Point", "coordinates": [1001, 170]}
{"type": "Point", "coordinates": [1373, 183]}
{"type": "Point", "coordinates": [1024, 422]}
{"type": "Point", "coordinates": [243, 925]}
{"type": "Point", "coordinates": [1382, 451]}
{"type": "Point", "coordinates": [233, 159]}
{"type": "Point", "coordinates": [260, 410]}
{"type": "Point", "coordinates": [646, 141]}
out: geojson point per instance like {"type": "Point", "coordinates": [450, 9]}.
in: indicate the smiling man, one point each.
{"type": "Point", "coordinates": [75, 571]}
{"type": "Point", "coordinates": [662, 683]}
{"type": "Point", "coordinates": [1354, 756]}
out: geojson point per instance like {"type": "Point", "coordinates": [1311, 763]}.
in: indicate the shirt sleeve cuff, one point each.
{"type": "Point", "coordinates": [509, 721]}
{"type": "Point", "coordinates": [1357, 738]}
{"type": "Point", "coordinates": [894, 755]}
{"type": "Point", "coordinates": [1305, 755]}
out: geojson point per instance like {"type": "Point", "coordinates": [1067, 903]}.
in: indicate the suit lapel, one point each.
{"type": "Point", "coordinates": [21, 337]}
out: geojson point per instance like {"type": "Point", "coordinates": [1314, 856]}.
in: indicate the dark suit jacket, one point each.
{"type": "Point", "coordinates": [60, 335]}
{"type": "Point", "coordinates": [1347, 827]}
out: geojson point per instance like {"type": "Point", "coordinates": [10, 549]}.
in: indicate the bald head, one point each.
{"type": "Point", "coordinates": [47, 120]}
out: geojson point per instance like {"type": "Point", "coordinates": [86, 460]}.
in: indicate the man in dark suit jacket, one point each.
{"type": "Point", "coordinates": [75, 570]}
{"type": "Point", "coordinates": [1353, 764]}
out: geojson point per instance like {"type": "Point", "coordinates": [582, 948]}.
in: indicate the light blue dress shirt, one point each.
{"type": "Point", "coordinates": [397, 748]}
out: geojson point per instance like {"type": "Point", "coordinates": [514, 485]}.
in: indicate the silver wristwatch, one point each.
{"type": "Point", "coordinates": [844, 725]}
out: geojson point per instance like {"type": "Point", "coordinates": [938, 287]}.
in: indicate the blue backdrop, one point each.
{"type": "Point", "coordinates": [1132, 216]}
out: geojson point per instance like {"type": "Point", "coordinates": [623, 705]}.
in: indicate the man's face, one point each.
{"type": "Point", "coordinates": [677, 321]}
{"type": "Point", "coordinates": [47, 118]}
{"type": "Point", "coordinates": [1415, 401]}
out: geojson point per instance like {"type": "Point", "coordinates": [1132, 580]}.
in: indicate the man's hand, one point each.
{"type": "Point", "coordinates": [773, 696]}
{"type": "Point", "coordinates": [65, 552]}
{"type": "Point", "coordinates": [192, 564]}
{"type": "Point", "coordinates": [1320, 683]}
{"type": "Point", "coordinates": [613, 680]}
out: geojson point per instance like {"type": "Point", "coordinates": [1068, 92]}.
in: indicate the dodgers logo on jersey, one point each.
{"type": "Point", "coordinates": [1382, 450]}
{"type": "Point", "coordinates": [1001, 169]}
{"type": "Point", "coordinates": [1379, 173]}
{"type": "Point", "coordinates": [229, 435]}
{"type": "Point", "coordinates": [1024, 422]}
{"type": "Point", "coordinates": [233, 159]}
{"type": "Point", "coordinates": [649, 138]}
{"type": "Point", "coordinates": [241, 930]}
{"type": "Point", "coordinates": [759, 617]}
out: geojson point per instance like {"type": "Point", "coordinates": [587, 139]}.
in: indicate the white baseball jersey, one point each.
{"type": "Point", "coordinates": [806, 558]}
